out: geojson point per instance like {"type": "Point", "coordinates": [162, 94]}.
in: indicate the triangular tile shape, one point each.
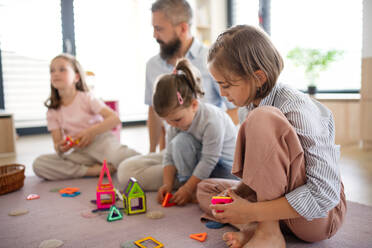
{"type": "Point", "coordinates": [199, 236]}
{"type": "Point", "coordinates": [136, 189]}
{"type": "Point", "coordinates": [101, 176]}
{"type": "Point", "coordinates": [114, 214]}
{"type": "Point", "coordinates": [166, 201]}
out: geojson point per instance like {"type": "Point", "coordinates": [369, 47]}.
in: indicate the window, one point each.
{"type": "Point", "coordinates": [114, 41]}
{"type": "Point", "coordinates": [321, 25]}
{"type": "Point", "coordinates": [30, 36]}
{"type": "Point", "coordinates": [245, 12]}
{"type": "Point", "coordinates": [313, 24]}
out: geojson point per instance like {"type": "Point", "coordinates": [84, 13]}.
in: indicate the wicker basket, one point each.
{"type": "Point", "coordinates": [12, 177]}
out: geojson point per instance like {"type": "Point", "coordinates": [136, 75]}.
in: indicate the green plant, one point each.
{"type": "Point", "coordinates": [313, 60]}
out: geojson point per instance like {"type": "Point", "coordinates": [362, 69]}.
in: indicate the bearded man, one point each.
{"type": "Point", "coordinates": [171, 20]}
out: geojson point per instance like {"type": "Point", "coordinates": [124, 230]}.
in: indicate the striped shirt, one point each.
{"type": "Point", "coordinates": [314, 126]}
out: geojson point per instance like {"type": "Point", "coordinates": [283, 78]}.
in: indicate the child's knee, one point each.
{"type": "Point", "coordinates": [184, 147]}
{"type": "Point", "coordinates": [38, 166]}
{"type": "Point", "coordinates": [203, 195]}
{"type": "Point", "coordinates": [126, 170]}
{"type": "Point", "coordinates": [199, 189]}
{"type": "Point", "coordinates": [182, 141]}
{"type": "Point", "coordinates": [202, 188]}
{"type": "Point", "coordinates": [265, 115]}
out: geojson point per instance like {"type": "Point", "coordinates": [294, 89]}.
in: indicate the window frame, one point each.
{"type": "Point", "coordinates": [264, 13]}
{"type": "Point", "coordinates": [68, 34]}
{"type": "Point", "coordinates": [69, 46]}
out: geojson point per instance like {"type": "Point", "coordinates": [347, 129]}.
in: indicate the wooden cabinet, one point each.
{"type": "Point", "coordinates": [346, 113]}
{"type": "Point", "coordinates": [7, 135]}
{"type": "Point", "coordinates": [366, 103]}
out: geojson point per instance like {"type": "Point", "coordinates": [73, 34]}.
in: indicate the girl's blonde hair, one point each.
{"type": "Point", "coordinates": [54, 101]}
{"type": "Point", "coordinates": [177, 89]}
{"type": "Point", "coordinates": [241, 51]}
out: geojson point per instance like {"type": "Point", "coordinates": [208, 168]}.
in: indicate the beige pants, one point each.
{"type": "Point", "coordinates": [76, 163]}
{"type": "Point", "coordinates": [146, 169]}
{"type": "Point", "coordinates": [272, 176]}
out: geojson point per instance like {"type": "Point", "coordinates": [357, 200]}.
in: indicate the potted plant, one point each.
{"type": "Point", "coordinates": [314, 61]}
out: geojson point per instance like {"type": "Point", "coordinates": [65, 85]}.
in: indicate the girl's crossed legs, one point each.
{"type": "Point", "coordinates": [270, 160]}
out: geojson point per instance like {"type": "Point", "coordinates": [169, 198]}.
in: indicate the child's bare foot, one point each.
{"type": "Point", "coordinates": [263, 238]}
{"type": "Point", "coordinates": [93, 171]}
{"type": "Point", "coordinates": [111, 168]}
{"type": "Point", "coordinates": [237, 239]}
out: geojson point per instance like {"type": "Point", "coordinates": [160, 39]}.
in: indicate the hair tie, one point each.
{"type": "Point", "coordinates": [179, 97]}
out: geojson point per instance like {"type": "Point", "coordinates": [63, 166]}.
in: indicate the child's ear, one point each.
{"type": "Point", "coordinates": [194, 104]}
{"type": "Point", "coordinates": [77, 77]}
{"type": "Point", "coordinates": [261, 76]}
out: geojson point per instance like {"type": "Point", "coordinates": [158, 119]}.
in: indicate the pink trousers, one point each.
{"type": "Point", "coordinates": [270, 160]}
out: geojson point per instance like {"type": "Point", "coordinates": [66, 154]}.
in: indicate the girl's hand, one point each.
{"type": "Point", "coordinates": [182, 196]}
{"type": "Point", "coordinates": [162, 191]}
{"type": "Point", "coordinates": [235, 212]}
{"type": "Point", "coordinates": [85, 138]}
{"type": "Point", "coordinates": [62, 146]}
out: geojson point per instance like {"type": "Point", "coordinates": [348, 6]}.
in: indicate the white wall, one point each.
{"type": "Point", "coordinates": [367, 29]}
{"type": "Point", "coordinates": [219, 18]}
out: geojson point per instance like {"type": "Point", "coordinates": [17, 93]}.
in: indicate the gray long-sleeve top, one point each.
{"type": "Point", "coordinates": [214, 129]}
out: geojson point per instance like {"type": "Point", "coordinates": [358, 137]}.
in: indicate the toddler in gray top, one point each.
{"type": "Point", "coordinates": [201, 139]}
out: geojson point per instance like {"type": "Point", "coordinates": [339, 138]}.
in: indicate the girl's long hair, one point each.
{"type": "Point", "coordinates": [242, 50]}
{"type": "Point", "coordinates": [55, 101]}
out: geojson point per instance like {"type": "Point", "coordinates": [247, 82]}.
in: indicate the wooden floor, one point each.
{"type": "Point", "coordinates": [355, 164]}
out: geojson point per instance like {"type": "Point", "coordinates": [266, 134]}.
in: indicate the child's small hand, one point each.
{"type": "Point", "coordinates": [182, 196]}
{"type": "Point", "coordinates": [235, 212]}
{"type": "Point", "coordinates": [162, 191]}
{"type": "Point", "coordinates": [85, 138]}
{"type": "Point", "coordinates": [63, 146]}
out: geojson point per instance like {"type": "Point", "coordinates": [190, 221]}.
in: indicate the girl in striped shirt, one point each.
{"type": "Point", "coordinates": [285, 153]}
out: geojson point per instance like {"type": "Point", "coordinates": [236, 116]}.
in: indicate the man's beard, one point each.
{"type": "Point", "coordinates": [168, 50]}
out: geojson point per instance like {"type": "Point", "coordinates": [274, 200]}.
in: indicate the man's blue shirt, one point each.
{"type": "Point", "coordinates": [197, 55]}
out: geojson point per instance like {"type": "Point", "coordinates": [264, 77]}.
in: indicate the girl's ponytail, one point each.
{"type": "Point", "coordinates": [178, 89]}
{"type": "Point", "coordinates": [193, 77]}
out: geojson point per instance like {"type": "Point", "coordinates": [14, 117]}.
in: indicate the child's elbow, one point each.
{"type": "Point", "coordinates": [332, 200]}
{"type": "Point", "coordinates": [336, 198]}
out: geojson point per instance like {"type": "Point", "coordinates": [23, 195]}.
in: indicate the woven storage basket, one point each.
{"type": "Point", "coordinates": [11, 177]}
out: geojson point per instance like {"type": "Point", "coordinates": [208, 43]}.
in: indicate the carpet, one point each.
{"type": "Point", "coordinates": [56, 217]}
